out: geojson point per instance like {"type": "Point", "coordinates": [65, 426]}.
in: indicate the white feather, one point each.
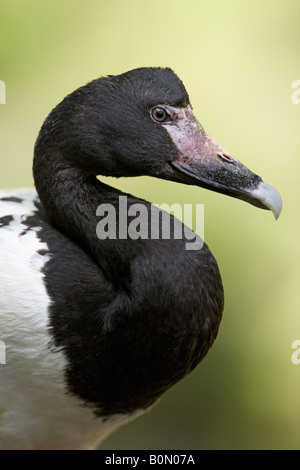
{"type": "Point", "coordinates": [36, 412]}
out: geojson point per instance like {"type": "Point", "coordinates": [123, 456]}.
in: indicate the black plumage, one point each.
{"type": "Point", "coordinates": [132, 317]}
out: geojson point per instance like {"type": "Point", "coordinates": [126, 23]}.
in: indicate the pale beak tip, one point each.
{"type": "Point", "coordinates": [270, 198]}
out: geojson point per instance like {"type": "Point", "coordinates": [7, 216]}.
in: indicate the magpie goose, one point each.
{"type": "Point", "coordinates": [96, 327]}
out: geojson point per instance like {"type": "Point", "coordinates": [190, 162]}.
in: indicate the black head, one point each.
{"type": "Point", "coordinates": [106, 127]}
{"type": "Point", "coordinates": [141, 123]}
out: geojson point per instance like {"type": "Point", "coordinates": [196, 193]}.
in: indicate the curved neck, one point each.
{"type": "Point", "coordinates": [71, 198]}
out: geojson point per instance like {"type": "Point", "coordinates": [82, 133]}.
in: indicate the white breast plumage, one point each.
{"type": "Point", "coordinates": [32, 385]}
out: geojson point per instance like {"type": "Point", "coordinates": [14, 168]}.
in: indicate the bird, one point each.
{"type": "Point", "coordinates": [97, 324]}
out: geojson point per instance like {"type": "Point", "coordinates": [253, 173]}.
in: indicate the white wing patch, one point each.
{"type": "Point", "coordinates": [36, 412]}
{"type": "Point", "coordinates": [8, 206]}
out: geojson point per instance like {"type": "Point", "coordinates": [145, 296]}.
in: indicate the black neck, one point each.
{"type": "Point", "coordinates": [71, 198]}
{"type": "Point", "coordinates": [157, 326]}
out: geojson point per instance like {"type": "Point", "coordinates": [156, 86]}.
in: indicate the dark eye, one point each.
{"type": "Point", "coordinates": [159, 114]}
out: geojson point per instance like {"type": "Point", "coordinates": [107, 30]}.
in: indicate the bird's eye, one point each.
{"type": "Point", "coordinates": [159, 114]}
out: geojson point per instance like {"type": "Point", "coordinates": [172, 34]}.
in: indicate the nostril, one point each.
{"type": "Point", "coordinates": [226, 157]}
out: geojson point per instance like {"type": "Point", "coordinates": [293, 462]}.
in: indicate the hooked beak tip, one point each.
{"type": "Point", "coordinates": [269, 197]}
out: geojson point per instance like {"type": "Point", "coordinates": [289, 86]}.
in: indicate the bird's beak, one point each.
{"type": "Point", "coordinates": [203, 162]}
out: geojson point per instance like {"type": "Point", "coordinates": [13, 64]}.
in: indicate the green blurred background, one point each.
{"type": "Point", "coordinates": [238, 61]}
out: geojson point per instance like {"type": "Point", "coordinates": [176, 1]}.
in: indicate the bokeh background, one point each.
{"type": "Point", "coordinates": [238, 61]}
